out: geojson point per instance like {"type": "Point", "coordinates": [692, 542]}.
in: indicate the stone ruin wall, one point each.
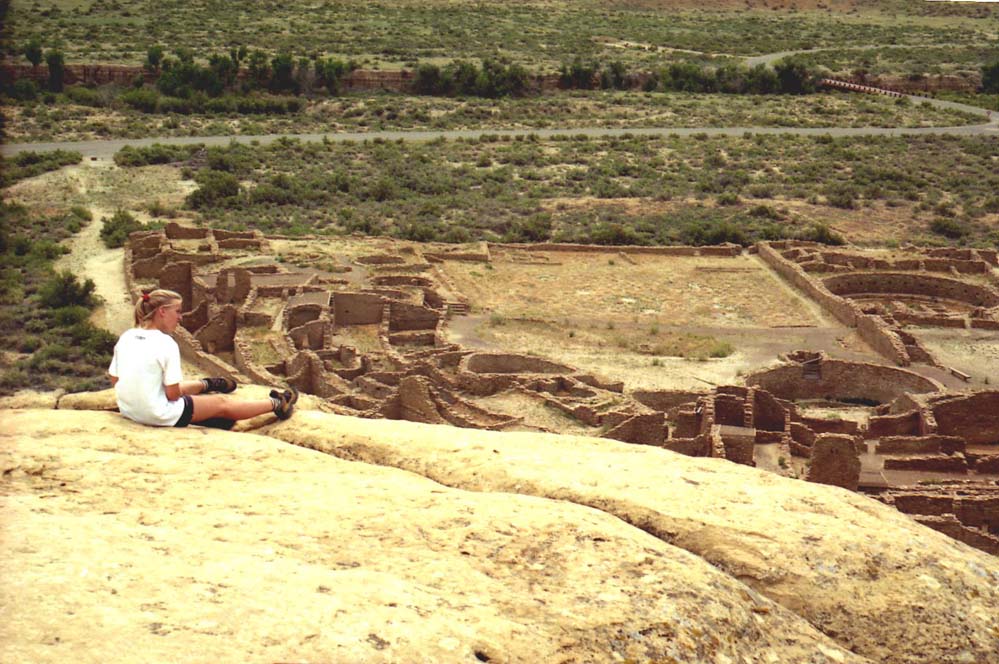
{"type": "Point", "coordinates": [725, 423]}
{"type": "Point", "coordinates": [840, 379]}
{"type": "Point", "coordinates": [871, 329]}
{"type": "Point", "coordinates": [911, 284]}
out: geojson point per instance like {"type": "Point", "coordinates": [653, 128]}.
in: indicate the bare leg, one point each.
{"type": "Point", "coordinates": [207, 406]}
{"type": "Point", "coordinates": [191, 387]}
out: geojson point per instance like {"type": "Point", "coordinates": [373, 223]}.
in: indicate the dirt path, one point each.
{"type": "Point", "coordinates": [89, 258]}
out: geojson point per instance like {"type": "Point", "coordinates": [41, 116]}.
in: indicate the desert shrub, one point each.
{"type": "Point", "coordinates": [213, 187]}
{"type": "Point", "coordinates": [81, 213]}
{"type": "Point", "coordinates": [821, 233]}
{"type": "Point", "coordinates": [842, 196]}
{"type": "Point", "coordinates": [24, 89]}
{"type": "Point", "coordinates": [64, 290]}
{"type": "Point", "coordinates": [146, 100]}
{"type": "Point", "coordinates": [612, 233]}
{"type": "Point", "coordinates": [713, 232]}
{"type": "Point", "coordinates": [29, 164]}
{"type": "Point", "coordinates": [948, 227]}
{"type": "Point", "coordinates": [84, 96]}
{"type": "Point", "coordinates": [536, 228]}
{"type": "Point", "coordinates": [579, 74]}
{"type": "Point", "coordinates": [116, 228]}
{"type": "Point", "coordinates": [156, 153]}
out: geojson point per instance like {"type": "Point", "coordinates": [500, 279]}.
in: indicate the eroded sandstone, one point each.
{"type": "Point", "coordinates": [864, 574]}
{"type": "Point", "coordinates": [126, 543]}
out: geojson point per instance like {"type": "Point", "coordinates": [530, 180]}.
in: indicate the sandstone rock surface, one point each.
{"type": "Point", "coordinates": [123, 543]}
{"type": "Point", "coordinates": [127, 543]}
{"type": "Point", "coordinates": [867, 576]}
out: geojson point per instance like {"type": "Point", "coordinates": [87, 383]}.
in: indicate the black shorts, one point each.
{"type": "Point", "coordinates": [212, 422]}
{"type": "Point", "coordinates": [185, 417]}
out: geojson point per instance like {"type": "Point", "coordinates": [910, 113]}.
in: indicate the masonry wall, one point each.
{"type": "Point", "coordinates": [974, 417]}
{"type": "Point", "coordinates": [911, 284]}
{"type": "Point", "coordinates": [357, 309]}
{"type": "Point", "coordinates": [509, 363]}
{"type": "Point", "coordinates": [840, 380]}
{"type": "Point", "coordinates": [404, 317]}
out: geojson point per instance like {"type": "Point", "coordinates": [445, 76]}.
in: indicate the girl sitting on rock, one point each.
{"type": "Point", "coordinates": [146, 374]}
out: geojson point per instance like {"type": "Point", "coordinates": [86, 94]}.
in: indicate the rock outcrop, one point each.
{"type": "Point", "coordinates": [870, 578]}
{"type": "Point", "coordinates": [126, 543]}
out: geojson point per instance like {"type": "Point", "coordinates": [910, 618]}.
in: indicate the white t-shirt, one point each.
{"type": "Point", "coordinates": [144, 362]}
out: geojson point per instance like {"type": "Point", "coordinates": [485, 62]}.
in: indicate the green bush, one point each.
{"type": "Point", "coordinates": [64, 290]}
{"type": "Point", "coordinates": [29, 164]}
{"type": "Point", "coordinates": [70, 315]}
{"type": "Point", "coordinates": [156, 153]}
{"type": "Point", "coordinates": [24, 89]}
{"type": "Point", "coordinates": [81, 213]}
{"type": "Point", "coordinates": [823, 234]}
{"type": "Point", "coordinates": [718, 232]}
{"type": "Point", "coordinates": [84, 96]}
{"type": "Point", "coordinates": [115, 229]}
{"type": "Point", "coordinates": [213, 187]}
{"type": "Point", "coordinates": [146, 100]}
{"type": "Point", "coordinates": [948, 227]}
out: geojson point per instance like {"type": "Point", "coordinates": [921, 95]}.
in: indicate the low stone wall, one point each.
{"type": "Point", "coordinates": [509, 363]}
{"type": "Point", "coordinates": [905, 424]}
{"type": "Point", "coordinates": [903, 283]}
{"type": "Point", "coordinates": [664, 400]}
{"type": "Point", "coordinates": [643, 429]}
{"type": "Point", "coordinates": [941, 463]}
{"type": "Point", "coordinates": [834, 460]}
{"type": "Point", "coordinates": [920, 445]}
{"type": "Point", "coordinates": [949, 525]}
{"type": "Point", "coordinates": [357, 308]}
{"type": "Point", "coordinates": [974, 417]}
{"type": "Point", "coordinates": [823, 425]}
{"type": "Point", "coordinates": [841, 380]}
{"type": "Point", "coordinates": [405, 317]}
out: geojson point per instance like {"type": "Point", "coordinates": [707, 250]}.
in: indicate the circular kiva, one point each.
{"type": "Point", "coordinates": [840, 380]}
{"type": "Point", "coordinates": [886, 284]}
{"type": "Point", "coordinates": [510, 363]}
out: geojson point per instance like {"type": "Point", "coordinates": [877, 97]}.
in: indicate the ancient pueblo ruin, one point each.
{"type": "Point", "coordinates": [874, 398]}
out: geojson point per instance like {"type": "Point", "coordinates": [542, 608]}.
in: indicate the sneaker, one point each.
{"type": "Point", "coordinates": [286, 402]}
{"type": "Point", "coordinates": [219, 384]}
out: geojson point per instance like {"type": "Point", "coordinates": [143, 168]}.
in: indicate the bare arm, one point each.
{"type": "Point", "coordinates": [173, 391]}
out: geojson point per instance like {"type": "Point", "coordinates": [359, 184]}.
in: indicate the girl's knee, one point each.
{"type": "Point", "coordinates": [209, 405]}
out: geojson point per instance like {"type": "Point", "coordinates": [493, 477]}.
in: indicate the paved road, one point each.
{"type": "Point", "coordinates": [106, 148]}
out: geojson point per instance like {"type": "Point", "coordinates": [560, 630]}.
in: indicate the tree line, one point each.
{"type": "Point", "coordinates": [179, 75]}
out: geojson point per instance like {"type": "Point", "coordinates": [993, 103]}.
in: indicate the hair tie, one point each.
{"type": "Point", "coordinates": [145, 297]}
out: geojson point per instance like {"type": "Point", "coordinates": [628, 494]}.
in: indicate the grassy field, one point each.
{"type": "Point", "coordinates": [540, 34]}
{"type": "Point", "coordinates": [36, 122]}
{"type": "Point", "coordinates": [627, 190]}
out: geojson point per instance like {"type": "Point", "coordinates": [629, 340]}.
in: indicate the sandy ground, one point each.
{"type": "Point", "coordinates": [649, 321]}
{"type": "Point", "coordinates": [89, 258]}
{"type": "Point", "coordinates": [975, 352]}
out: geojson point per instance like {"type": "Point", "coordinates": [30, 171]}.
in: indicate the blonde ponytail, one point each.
{"type": "Point", "coordinates": [151, 301]}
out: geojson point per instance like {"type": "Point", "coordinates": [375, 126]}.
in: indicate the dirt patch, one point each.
{"type": "Point", "coordinates": [974, 352]}
{"type": "Point", "coordinates": [647, 290]}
